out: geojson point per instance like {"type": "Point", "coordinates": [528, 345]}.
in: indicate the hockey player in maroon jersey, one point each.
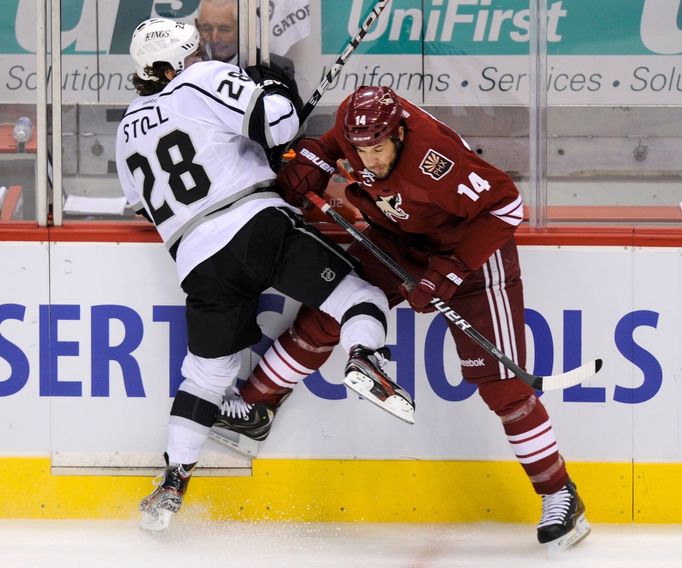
{"type": "Point", "coordinates": [449, 217]}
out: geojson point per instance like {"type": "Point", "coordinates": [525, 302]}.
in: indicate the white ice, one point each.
{"type": "Point", "coordinates": [95, 544]}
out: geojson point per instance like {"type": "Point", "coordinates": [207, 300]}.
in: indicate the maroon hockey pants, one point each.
{"type": "Point", "coordinates": [491, 300]}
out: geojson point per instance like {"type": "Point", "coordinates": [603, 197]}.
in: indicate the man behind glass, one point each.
{"type": "Point", "coordinates": [218, 24]}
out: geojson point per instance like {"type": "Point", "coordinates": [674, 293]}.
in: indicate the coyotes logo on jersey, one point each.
{"type": "Point", "coordinates": [435, 164]}
{"type": "Point", "coordinates": [387, 99]}
{"type": "Point", "coordinates": [390, 206]}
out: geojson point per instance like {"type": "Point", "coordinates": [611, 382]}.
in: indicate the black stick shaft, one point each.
{"type": "Point", "coordinates": [342, 59]}
{"type": "Point", "coordinates": [440, 305]}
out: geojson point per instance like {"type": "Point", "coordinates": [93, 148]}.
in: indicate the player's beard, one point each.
{"type": "Point", "coordinates": [391, 166]}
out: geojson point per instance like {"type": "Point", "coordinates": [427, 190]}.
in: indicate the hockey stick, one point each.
{"type": "Point", "coordinates": [328, 78]}
{"type": "Point", "coordinates": [552, 382]}
{"type": "Point", "coordinates": [342, 59]}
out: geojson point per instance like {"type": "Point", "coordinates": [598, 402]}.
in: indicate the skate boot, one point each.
{"type": "Point", "coordinates": [158, 508]}
{"type": "Point", "coordinates": [366, 376]}
{"type": "Point", "coordinates": [563, 522]}
{"type": "Point", "coordinates": [242, 426]}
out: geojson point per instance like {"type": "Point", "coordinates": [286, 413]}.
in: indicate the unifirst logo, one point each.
{"type": "Point", "coordinates": [447, 21]}
{"type": "Point", "coordinates": [466, 22]}
{"type": "Point", "coordinates": [659, 26]}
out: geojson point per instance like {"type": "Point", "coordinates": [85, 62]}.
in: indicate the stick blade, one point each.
{"type": "Point", "coordinates": [569, 378]}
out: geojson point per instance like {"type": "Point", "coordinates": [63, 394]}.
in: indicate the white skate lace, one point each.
{"type": "Point", "coordinates": [555, 507]}
{"type": "Point", "coordinates": [158, 480]}
{"type": "Point", "coordinates": [381, 360]}
{"type": "Point", "coordinates": [236, 408]}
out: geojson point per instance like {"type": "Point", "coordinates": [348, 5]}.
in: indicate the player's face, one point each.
{"type": "Point", "coordinates": [380, 159]}
{"type": "Point", "coordinates": [218, 26]}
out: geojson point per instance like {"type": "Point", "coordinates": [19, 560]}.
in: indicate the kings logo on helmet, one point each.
{"type": "Point", "coordinates": [156, 35]}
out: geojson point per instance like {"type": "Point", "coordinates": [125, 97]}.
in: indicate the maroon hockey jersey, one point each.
{"type": "Point", "coordinates": [439, 194]}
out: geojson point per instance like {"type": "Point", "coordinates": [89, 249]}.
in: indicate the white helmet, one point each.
{"type": "Point", "coordinates": [159, 39]}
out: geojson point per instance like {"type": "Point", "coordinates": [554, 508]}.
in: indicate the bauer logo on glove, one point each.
{"type": "Point", "coordinates": [310, 170]}
{"type": "Point", "coordinates": [319, 162]}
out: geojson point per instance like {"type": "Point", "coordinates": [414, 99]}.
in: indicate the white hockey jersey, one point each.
{"type": "Point", "coordinates": [191, 156]}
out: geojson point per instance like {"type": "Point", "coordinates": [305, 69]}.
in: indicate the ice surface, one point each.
{"type": "Point", "coordinates": [56, 544]}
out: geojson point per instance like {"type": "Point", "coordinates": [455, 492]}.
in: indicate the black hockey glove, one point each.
{"type": "Point", "coordinates": [274, 79]}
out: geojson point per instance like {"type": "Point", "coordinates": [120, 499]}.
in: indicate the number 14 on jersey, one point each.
{"type": "Point", "coordinates": [478, 185]}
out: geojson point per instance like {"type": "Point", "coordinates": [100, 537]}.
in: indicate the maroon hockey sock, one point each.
{"type": "Point", "coordinates": [283, 366]}
{"type": "Point", "coordinates": [531, 436]}
{"type": "Point", "coordinates": [529, 432]}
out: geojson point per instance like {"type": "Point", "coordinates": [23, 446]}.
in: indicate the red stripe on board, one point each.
{"type": "Point", "coordinates": [144, 232]}
{"type": "Point", "coordinates": [98, 231]}
{"type": "Point", "coordinates": [14, 231]}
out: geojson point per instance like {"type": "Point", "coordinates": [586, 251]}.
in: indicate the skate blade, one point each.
{"type": "Point", "coordinates": [156, 521]}
{"type": "Point", "coordinates": [238, 443]}
{"type": "Point", "coordinates": [395, 405]}
{"type": "Point", "coordinates": [579, 533]}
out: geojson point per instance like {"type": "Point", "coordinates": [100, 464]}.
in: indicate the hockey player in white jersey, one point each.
{"type": "Point", "coordinates": [191, 157]}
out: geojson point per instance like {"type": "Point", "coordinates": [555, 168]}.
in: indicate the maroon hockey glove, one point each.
{"type": "Point", "coordinates": [439, 280]}
{"type": "Point", "coordinates": [310, 170]}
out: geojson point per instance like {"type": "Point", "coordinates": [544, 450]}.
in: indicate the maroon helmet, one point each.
{"type": "Point", "coordinates": [373, 113]}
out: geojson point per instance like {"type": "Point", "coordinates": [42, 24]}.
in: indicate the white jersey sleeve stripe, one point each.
{"type": "Point", "coordinates": [515, 221]}
{"type": "Point", "coordinates": [511, 213]}
{"type": "Point", "coordinates": [510, 207]}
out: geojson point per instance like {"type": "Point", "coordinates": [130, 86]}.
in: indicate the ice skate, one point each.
{"type": "Point", "coordinates": [366, 376]}
{"type": "Point", "coordinates": [242, 426]}
{"type": "Point", "coordinates": [166, 500]}
{"type": "Point", "coordinates": [563, 523]}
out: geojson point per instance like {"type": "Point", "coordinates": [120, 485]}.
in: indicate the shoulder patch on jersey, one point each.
{"type": "Point", "coordinates": [435, 164]}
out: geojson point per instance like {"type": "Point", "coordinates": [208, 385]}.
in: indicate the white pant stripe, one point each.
{"type": "Point", "coordinates": [508, 320]}
{"type": "Point", "coordinates": [487, 272]}
{"type": "Point", "coordinates": [500, 312]}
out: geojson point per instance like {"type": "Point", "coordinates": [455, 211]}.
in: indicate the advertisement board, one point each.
{"type": "Point", "coordinates": [92, 367]}
{"type": "Point", "coordinates": [463, 52]}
